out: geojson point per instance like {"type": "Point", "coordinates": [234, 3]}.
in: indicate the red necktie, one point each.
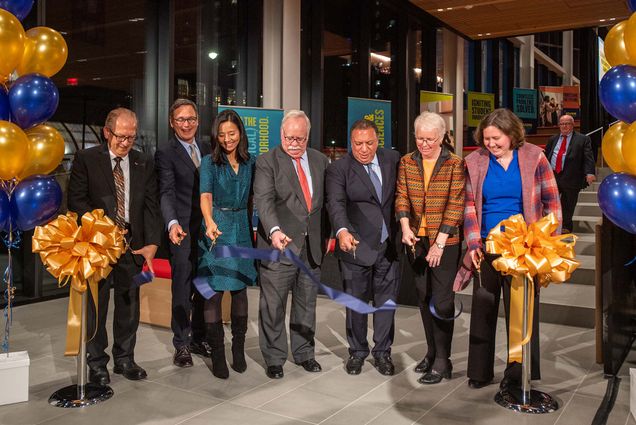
{"type": "Point", "coordinates": [559, 160]}
{"type": "Point", "coordinates": [303, 184]}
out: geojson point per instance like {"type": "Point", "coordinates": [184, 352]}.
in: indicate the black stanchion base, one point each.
{"type": "Point", "coordinates": [540, 402]}
{"type": "Point", "coordinates": [68, 397]}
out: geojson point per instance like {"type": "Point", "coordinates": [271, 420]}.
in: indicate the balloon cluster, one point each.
{"type": "Point", "coordinates": [29, 149]}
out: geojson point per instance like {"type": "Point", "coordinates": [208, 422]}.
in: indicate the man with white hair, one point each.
{"type": "Point", "coordinates": [288, 195]}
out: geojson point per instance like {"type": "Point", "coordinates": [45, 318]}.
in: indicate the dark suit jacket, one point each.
{"type": "Point", "coordinates": [279, 201]}
{"type": "Point", "coordinates": [579, 161]}
{"type": "Point", "coordinates": [353, 203]}
{"type": "Point", "coordinates": [92, 186]}
{"type": "Point", "coordinates": [179, 185]}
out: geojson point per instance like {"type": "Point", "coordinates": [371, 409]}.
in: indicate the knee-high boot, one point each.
{"type": "Point", "coordinates": [239, 329]}
{"type": "Point", "coordinates": [214, 335]}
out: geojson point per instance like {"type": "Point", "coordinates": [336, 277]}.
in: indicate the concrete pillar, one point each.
{"type": "Point", "coordinates": [453, 54]}
{"type": "Point", "coordinates": [526, 61]}
{"type": "Point", "coordinates": [567, 59]}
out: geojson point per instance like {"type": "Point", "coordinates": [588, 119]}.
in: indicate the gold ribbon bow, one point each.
{"type": "Point", "coordinates": [81, 255]}
{"type": "Point", "coordinates": [529, 251]}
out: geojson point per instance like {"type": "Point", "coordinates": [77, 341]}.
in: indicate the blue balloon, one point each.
{"type": "Point", "coordinates": [618, 92]}
{"type": "Point", "coordinates": [5, 110]}
{"type": "Point", "coordinates": [632, 5]}
{"type": "Point", "coordinates": [20, 8]}
{"type": "Point", "coordinates": [35, 201]}
{"type": "Point", "coordinates": [5, 210]}
{"type": "Point", "coordinates": [33, 99]}
{"type": "Point", "coordinates": [617, 199]}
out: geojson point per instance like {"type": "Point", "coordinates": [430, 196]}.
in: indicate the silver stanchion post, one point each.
{"type": "Point", "coordinates": [525, 399]}
{"type": "Point", "coordinates": [84, 393]}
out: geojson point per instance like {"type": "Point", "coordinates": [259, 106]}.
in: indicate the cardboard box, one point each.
{"type": "Point", "coordinates": [14, 377]}
{"type": "Point", "coordinates": [632, 391]}
{"type": "Point", "coordinates": [155, 302]}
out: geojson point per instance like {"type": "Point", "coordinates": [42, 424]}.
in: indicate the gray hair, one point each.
{"type": "Point", "coordinates": [182, 102]}
{"type": "Point", "coordinates": [111, 119]}
{"type": "Point", "coordinates": [430, 121]}
{"type": "Point", "coordinates": [295, 113]}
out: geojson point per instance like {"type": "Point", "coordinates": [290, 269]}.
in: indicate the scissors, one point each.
{"type": "Point", "coordinates": [480, 258]}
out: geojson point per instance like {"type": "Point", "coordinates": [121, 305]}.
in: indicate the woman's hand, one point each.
{"type": "Point", "coordinates": [476, 256]}
{"type": "Point", "coordinates": [212, 231]}
{"type": "Point", "coordinates": [408, 237]}
{"type": "Point", "coordinates": [434, 256]}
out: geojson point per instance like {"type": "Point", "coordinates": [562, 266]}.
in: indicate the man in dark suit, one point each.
{"type": "Point", "coordinates": [360, 190]}
{"type": "Point", "coordinates": [571, 157]}
{"type": "Point", "coordinates": [288, 194]}
{"type": "Point", "coordinates": [122, 182]}
{"type": "Point", "coordinates": [178, 170]}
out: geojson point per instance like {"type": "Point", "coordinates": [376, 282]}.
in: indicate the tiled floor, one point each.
{"type": "Point", "coordinates": [193, 396]}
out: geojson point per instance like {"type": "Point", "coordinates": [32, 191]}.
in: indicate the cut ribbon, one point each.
{"type": "Point", "coordinates": [529, 251]}
{"type": "Point", "coordinates": [81, 255]}
{"type": "Point", "coordinates": [347, 300]}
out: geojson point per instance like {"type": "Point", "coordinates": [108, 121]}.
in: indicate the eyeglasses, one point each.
{"type": "Point", "coordinates": [183, 120]}
{"type": "Point", "coordinates": [122, 139]}
{"type": "Point", "coordinates": [429, 142]}
{"type": "Point", "coordinates": [565, 124]}
{"type": "Point", "coordinates": [292, 139]}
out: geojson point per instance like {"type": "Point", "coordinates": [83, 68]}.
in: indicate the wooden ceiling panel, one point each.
{"type": "Point", "coordinates": [505, 18]}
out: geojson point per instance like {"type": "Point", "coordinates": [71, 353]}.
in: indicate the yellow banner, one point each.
{"type": "Point", "coordinates": [479, 105]}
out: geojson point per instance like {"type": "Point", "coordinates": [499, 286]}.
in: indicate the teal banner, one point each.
{"type": "Point", "coordinates": [524, 103]}
{"type": "Point", "coordinates": [378, 111]}
{"type": "Point", "coordinates": [262, 127]}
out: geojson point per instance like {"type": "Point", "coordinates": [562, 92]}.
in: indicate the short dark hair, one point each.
{"type": "Point", "coordinates": [507, 122]}
{"type": "Point", "coordinates": [364, 124]}
{"type": "Point", "coordinates": [182, 102]}
{"type": "Point", "coordinates": [242, 153]}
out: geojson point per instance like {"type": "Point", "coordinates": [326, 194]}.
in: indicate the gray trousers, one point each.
{"type": "Point", "coordinates": [276, 280]}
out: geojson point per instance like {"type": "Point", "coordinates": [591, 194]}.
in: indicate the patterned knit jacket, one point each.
{"type": "Point", "coordinates": [443, 202]}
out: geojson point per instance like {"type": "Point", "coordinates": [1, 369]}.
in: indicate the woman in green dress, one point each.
{"type": "Point", "coordinates": [226, 204]}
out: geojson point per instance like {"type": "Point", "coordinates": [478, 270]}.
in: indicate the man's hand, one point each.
{"type": "Point", "coordinates": [346, 241]}
{"type": "Point", "coordinates": [590, 178]}
{"type": "Point", "coordinates": [148, 252]}
{"type": "Point", "coordinates": [280, 240]}
{"type": "Point", "coordinates": [176, 234]}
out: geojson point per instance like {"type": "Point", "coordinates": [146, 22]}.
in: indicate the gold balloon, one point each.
{"type": "Point", "coordinates": [11, 43]}
{"type": "Point", "coordinates": [629, 36]}
{"type": "Point", "coordinates": [628, 148]}
{"type": "Point", "coordinates": [611, 147]}
{"type": "Point", "coordinates": [46, 150]}
{"type": "Point", "coordinates": [45, 52]}
{"type": "Point", "coordinates": [14, 150]}
{"type": "Point", "coordinates": [615, 51]}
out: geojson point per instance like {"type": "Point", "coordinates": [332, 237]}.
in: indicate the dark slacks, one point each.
{"type": "Point", "coordinates": [436, 284]}
{"type": "Point", "coordinates": [276, 280]}
{"type": "Point", "coordinates": [379, 283]}
{"type": "Point", "coordinates": [187, 304]}
{"type": "Point", "coordinates": [569, 198]}
{"type": "Point", "coordinates": [483, 325]}
{"type": "Point", "coordinates": [125, 317]}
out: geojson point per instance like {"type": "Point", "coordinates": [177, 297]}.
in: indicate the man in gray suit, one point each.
{"type": "Point", "coordinates": [288, 194]}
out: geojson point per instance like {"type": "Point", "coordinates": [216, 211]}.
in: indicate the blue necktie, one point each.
{"type": "Point", "coordinates": [375, 180]}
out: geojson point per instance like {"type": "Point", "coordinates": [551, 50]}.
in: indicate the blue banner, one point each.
{"type": "Point", "coordinates": [524, 103]}
{"type": "Point", "coordinates": [262, 127]}
{"type": "Point", "coordinates": [378, 111]}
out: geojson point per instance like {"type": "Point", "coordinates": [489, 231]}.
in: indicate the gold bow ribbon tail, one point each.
{"type": "Point", "coordinates": [81, 255]}
{"type": "Point", "coordinates": [534, 252]}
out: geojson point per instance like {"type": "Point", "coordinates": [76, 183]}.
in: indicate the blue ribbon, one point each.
{"type": "Point", "coordinates": [12, 240]}
{"type": "Point", "coordinates": [142, 278]}
{"type": "Point", "coordinates": [431, 307]}
{"type": "Point", "coordinates": [342, 298]}
{"type": "Point", "coordinates": [630, 262]}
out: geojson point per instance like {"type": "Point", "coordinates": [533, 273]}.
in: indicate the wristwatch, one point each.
{"type": "Point", "coordinates": [439, 245]}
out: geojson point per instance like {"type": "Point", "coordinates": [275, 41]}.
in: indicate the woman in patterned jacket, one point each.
{"type": "Point", "coordinates": [429, 205]}
{"type": "Point", "coordinates": [505, 177]}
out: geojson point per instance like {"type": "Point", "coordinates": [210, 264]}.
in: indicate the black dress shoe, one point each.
{"type": "Point", "coordinates": [274, 372]}
{"type": "Point", "coordinates": [130, 370]}
{"type": "Point", "coordinates": [509, 382]}
{"type": "Point", "coordinates": [200, 348]}
{"type": "Point", "coordinates": [354, 365]}
{"type": "Point", "coordinates": [434, 377]}
{"type": "Point", "coordinates": [311, 365]}
{"type": "Point", "coordinates": [99, 375]}
{"type": "Point", "coordinates": [384, 365]}
{"type": "Point", "coordinates": [475, 384]}
{"type": "Point", "coordinates": [424, 366]}
{"type": "Point", "coordinates": [182, 357]}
